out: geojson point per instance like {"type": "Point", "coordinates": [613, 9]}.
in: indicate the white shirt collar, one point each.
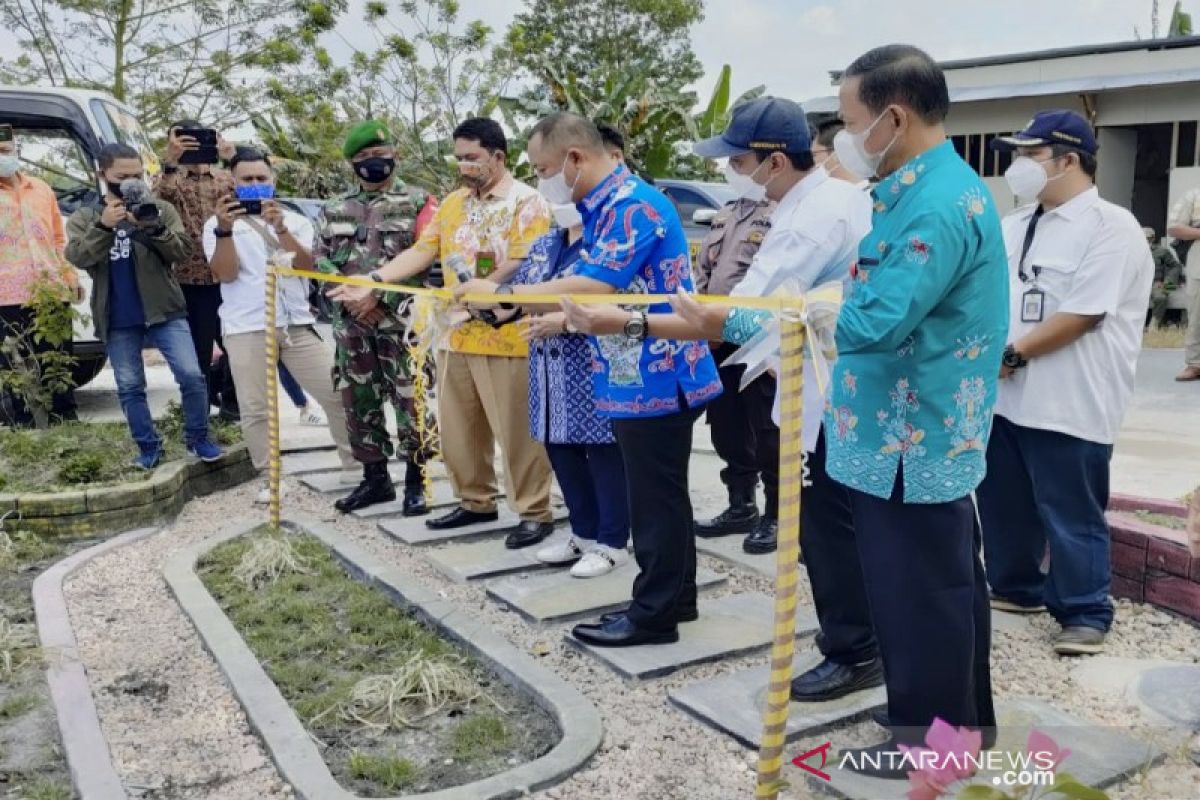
{"type": "Point", "coordinates": [802, 189]}
{"type": "Point", "coordinates": [1078, 204]}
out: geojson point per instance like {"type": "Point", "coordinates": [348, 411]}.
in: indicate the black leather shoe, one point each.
{"type": "Point", "coordinates": [830, 680]}
{"type": "Point", "coordinates": [687, 615]}
{"type": "Point", "coordinates": [528, 533]}
{"type": "Point", "coordinates": [414, 491]}
{"type": "Point", "coordinates": [764, 538]}
{"type": "Point", "coordinates": [459, 518]}
{"type": "Point", "coordinates": [621, 632]}
{"type": "Point", "coordinates": [376, 487]}
{"type": "Point", "coordinates": [740, 517]}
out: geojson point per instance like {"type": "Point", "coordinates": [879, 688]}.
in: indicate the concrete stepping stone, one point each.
{"type": "Point", "coordinates": [311, 461]}
{"type": "Point", "coordinates": [559, 596]}
{"type": "Point", "coordinates": [734, 703]}
{"type": "Point", "coordinates": [1100, 754]}
{"type": "Point", "coordinates": [468, 561]}
{"type": "Point", "coordinates": [729, 548]}
{"type": "Point", "coordinates": [414, 531]}
{"type": "Point", "coordinates": [330, 481]}
{"type": "Point", "coordinates": [728, 626]}
{"type": "Point", "coordinates": [1009, 622]}
{"type": "Point", "coordinates": [1172, 692]}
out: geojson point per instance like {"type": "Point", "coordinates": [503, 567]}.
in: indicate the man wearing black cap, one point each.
{"type": "Point", "coordinates": [1075, 261]}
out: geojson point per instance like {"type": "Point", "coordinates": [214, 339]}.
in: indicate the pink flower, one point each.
{"type": "Point", "coordinates": [956, 751]}
{"type": "Point", "coordinates": [1040, 743]}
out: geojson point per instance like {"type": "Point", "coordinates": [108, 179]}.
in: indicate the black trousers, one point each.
{"type": "Point", "coordinates": [203, 304]}
{"type": "Point", "coordinates": [743, 433]}
{"type": "Point", "coordinates": [13, 410]}
{"type": "Point", "coordinates": [830, 550]}
{"type": "Point", "coordinates": [656, 451]}
{"type": "Point", "coordinates": [920, 564]}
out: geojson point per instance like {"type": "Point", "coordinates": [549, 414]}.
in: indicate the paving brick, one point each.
{"type": "Point", "coordinates": [1128, 560]}
{"type": "Point", "coordinates": [1169, 557]}
{"type": "Point", "coordinates": [1176, 594]}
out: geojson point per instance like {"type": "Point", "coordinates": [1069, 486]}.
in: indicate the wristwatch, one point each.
{"type": "Point", "coordinates": [375, 276]}
{"type": "Point", "coordinates": [505, 288]}
{"type": "Point", "coordinates": [220, 234]}
{"type": "Point", "coordinates": [1012, 359]}
{"type": "Point", "coordinates": [635, 326]}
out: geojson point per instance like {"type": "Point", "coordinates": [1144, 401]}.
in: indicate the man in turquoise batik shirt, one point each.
{"type": "Point", "coordinates": [919, 339]}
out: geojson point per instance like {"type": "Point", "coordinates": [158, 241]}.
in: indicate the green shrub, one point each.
{"type": "Point", "coordinates": [82, 468]}
{"type": "Point", "coordinates": [389, 772]}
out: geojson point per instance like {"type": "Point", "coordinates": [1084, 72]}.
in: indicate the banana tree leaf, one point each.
{"type": "Point", "coordinates": [712, 121]}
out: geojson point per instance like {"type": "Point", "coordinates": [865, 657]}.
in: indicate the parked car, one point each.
{"type": "Point", "coordinates": [697, 203]}
{"type": "Point", "coordinates": [61, 132]}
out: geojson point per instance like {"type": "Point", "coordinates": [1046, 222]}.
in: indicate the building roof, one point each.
{"type": "Point", "coordinates": [1061, 52]}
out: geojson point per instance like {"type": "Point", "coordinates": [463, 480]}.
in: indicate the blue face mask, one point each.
{"type": "Point", "coordinates": [256, 191]}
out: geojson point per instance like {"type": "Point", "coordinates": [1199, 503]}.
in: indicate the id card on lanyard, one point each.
{"type": "Point", "coordinates": [1033, 301]}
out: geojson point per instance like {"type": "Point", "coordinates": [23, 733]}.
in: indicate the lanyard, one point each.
{"type": "Point", "coordinates": [1029, 232]}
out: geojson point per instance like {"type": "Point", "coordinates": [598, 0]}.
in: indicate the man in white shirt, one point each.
{"type": "Point", "coordinates": [1080, 280]}
{"type": "Point", "coordinates": [238, 242]}
{"type": "Point", "coordinates": [1184, 225]}
{"type": "Point", "coordinates": [815, 232]}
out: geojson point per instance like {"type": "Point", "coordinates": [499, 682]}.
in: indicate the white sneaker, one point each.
{"type": "Point", "coordinates": [560, 552]}
{"type": "Point", "coordinates": [312, 417]}
{"type": "Point", "coordinates": [599, 560]}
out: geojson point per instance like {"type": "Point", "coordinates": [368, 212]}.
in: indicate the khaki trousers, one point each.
{"type": "Point", "coordinates": [310, 360]}
{"type": "Point", "coordinates": [482, 399]}
{"type": "Point", "coordinates": [1191, 340]}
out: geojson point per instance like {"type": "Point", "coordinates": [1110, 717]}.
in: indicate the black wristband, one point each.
{"type": "Point", "coordinates": [222, 234]}
{"type": "Point", "coordinates": [506, 288]}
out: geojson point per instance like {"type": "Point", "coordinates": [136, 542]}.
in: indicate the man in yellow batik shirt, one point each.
{"type": "Point", "coordinates": [484, 229]}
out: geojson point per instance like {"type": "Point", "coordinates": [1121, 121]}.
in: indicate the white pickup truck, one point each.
{"type": "Point", "coordinates": [61, 132]}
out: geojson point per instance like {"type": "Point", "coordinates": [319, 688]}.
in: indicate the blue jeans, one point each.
{"type": "Point", "coordinates": [592, 479]}
{"type": "Point", "coordinates": [291, 386]}
{"type": "Point", "coordinates": [1046, 488]}
{"type": "Point", "coordinates": [174, 340]}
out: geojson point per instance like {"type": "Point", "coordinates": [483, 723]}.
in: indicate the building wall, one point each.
{"type": "Point", "coordinates": [1066, 68]}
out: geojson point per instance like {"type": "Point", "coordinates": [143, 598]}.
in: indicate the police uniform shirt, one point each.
{"type": "Point", "coordinates": [1087, 257]}
{"type": "Point", "coordinates": [738, 231]}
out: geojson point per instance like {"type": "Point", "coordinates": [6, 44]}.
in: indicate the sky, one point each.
{"type": "Point", "coordinates": [791, 45]}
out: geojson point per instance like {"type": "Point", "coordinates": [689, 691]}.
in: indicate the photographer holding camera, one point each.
{"type": "Point", "coordinates": [128, 243]}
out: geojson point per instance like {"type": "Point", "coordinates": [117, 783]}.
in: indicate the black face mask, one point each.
{"type": "Point", "coordinates": [375, 170]}
{"type": "Point", "coordinates": [114, 188]}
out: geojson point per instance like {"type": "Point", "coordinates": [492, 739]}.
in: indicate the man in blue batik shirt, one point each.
{"type": "Point", "coordinates": [919, 343]}
{"type": "Point", "coordinates": [652, 389]}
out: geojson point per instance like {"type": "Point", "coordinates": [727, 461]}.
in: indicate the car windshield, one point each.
{"type": "Point", "coordinates": [59, 160]}
{"type": "Point", "coordinates": [118, 125]}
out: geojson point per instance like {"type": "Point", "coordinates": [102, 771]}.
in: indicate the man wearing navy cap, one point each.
{"type": "Point", "coordinates": [1080, 279]}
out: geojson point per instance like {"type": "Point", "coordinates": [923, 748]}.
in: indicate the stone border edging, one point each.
{"type": "Point", "coordinates": [1156, 505]}
{"type": "Point", "coordinates": [88, 758]}
{"type": "Point", "coordinates": [291, 747]}
{"type": "Point", "coordinates": [1151, 564]}
{"type": "Point", "coordinates": [131, 505]}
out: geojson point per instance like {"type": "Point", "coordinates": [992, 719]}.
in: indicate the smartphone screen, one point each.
{"type": "Point", "coordinates": [207, 154]}
{"type": "Point", "coordinates": [252, 207]}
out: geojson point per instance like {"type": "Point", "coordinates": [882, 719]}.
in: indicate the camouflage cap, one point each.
{"type": "Point", "coordinates": [371, 133]}
{"type": "Point", "coordinates": [6, 133]}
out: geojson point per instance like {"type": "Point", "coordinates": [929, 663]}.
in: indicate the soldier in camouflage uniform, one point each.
{"type": "Point", "coordinates": [357, 234]}
{"type": "Point", "coordinates": [1168, 276]}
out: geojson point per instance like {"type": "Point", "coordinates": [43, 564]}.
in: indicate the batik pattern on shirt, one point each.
{"type": "Point", "coordinates": [920, 336]}
{"type": "Point", "coordinates": [562, 409]}
{"type": "Point", "coordinates": [31, 239]}
{"type": "Point", "coordinates": [634, 242]}
{"type": "Point", "coordinates": [196, 197]}
{"type": "Point", "coordinates": [506, 222]}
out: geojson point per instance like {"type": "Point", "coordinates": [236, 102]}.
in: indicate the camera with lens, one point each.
{"type": "Point", "coordinates": [139, 202]}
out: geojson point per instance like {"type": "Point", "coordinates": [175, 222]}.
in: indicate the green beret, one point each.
{"type": "Point", "coordinates": [371, 133]}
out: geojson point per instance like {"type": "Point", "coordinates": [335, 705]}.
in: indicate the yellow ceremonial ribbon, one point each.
{"type": "Point", "coordinates": [791, 452]}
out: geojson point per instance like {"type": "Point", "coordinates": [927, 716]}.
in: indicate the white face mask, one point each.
{"type": "Point", "coordinates": [555, 188]}
{"type": "Point", "coordinates": [851, 150]}
{"type": "Point", "coordinates": [566, 215]}
{"type": "Point", "coordinates": [1027, 178]}
{"type": "Point", "coordinates": [9, 164]}
{"type": "Point", "coordinates": [744, 185]}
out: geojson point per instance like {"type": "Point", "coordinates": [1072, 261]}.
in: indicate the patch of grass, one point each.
{"type": "Point", "coordinates": [1163, 520]}
{"type": "Point", "coordinates": [1169, 336]}
{"type": "Point", "coordinates": [479, 737]}
{"type": "Point", "coordinates": [18, 646]}
{"type": "Point", "coordinates": [390, 772]}
{"type": "Point", "coordinates": [46, 789]}
{"type": "Point", "coordinates": [17, 705]}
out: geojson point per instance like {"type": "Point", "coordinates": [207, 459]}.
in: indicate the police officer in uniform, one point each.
{"type": "Point", "coordinates": [1168, 276]}
{"type": "Point", "coordinates": [357, 234]}
{"type": "Point", "coordinates": [743, 434]}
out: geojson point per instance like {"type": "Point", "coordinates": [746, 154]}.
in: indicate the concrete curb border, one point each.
{"type": "Point", "coordinates": [88, 758]}
{"type": "Point", "coordinates": [285, 737]}
{"type": "Point", "coordinates": [91, 512]}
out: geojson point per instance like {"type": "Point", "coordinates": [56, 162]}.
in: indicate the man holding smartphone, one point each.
{"type": "Point", "coordinates": [238, 245]}
{"type": "Point", "coordinates": [194, 186]}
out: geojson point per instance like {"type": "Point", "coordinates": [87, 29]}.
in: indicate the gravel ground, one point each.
{"type": "Point", "coordinates": [150, 674]}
